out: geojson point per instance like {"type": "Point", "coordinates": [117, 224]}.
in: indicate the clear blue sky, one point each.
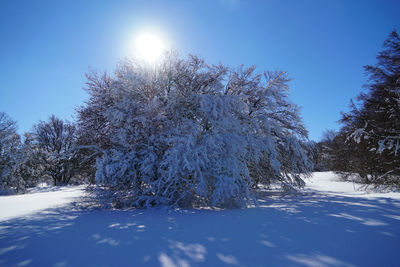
{"type": "Point", "coordinates": [47, 46]}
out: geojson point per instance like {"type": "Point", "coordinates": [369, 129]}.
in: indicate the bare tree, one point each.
{"type": "Point", "coordinates": [57, 149]}
{"type": "Point", "coordinates": [9, 152]}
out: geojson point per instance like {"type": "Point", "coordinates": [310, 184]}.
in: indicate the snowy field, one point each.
{"type": "Point", "coordinates": [328, 224]}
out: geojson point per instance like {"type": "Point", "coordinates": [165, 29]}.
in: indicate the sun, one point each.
{"type": "Point", "coordinates": [149, 47]}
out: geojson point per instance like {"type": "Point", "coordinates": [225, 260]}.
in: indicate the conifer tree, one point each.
{"type": "Point", "coordinates": [373, 123]}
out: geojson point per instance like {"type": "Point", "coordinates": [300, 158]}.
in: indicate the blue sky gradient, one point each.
{"type": "Point", "coordinates": [47, 46]}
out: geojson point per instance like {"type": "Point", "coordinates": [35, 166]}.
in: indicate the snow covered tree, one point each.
{"type": "Point", "coordinates": [9, 154]}
{"type": "Point", "coordinates": [29, 167]}
{"type": "Point", "coordinates": [184, 133]}
{"type": "Point", "coordinates": [55, 150]}
{"type": "Point", "coordinates": [373, 124]}
{"type": "Point", "coordinates": [93, 128]}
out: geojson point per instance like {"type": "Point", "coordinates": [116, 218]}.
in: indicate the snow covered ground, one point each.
{"type": "Point", "coordinates": [37, 200]}
{"type": "Point", "coordinates": [328, 224]}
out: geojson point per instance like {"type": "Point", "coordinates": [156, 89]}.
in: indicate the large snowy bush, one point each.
{"type": "Point", "coordinates": [184, 133]}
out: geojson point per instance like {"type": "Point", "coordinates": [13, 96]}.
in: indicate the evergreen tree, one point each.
{"type": "Point", "coordinates": [373, 124]}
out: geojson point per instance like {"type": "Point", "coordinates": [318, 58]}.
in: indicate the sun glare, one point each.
{"type": "Point", "coordinates": [149, 47]}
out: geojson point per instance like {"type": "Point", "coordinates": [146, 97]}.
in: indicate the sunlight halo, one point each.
{"type": "Point", "coordinates": [149, 47]}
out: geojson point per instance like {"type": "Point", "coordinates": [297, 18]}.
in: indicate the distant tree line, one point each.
{"type": "Point", "coordinates": [368, 143]}
{"type": "Point", "coordinates": [46, 154]}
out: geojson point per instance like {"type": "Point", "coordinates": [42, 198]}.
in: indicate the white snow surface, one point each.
{"type": "Point", "coordinates": [36, 200]}
{"type": "Point", "coordinates": [329, 183]}
{"type": "Point", "coordinates": [329, 223]}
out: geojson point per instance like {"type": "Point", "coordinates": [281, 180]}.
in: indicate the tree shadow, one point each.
{"type": "Point", "coordinates": [306, 229]}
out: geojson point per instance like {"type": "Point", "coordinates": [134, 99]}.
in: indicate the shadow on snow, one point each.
{"type": "Point", "coordinates": [308, 229]}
